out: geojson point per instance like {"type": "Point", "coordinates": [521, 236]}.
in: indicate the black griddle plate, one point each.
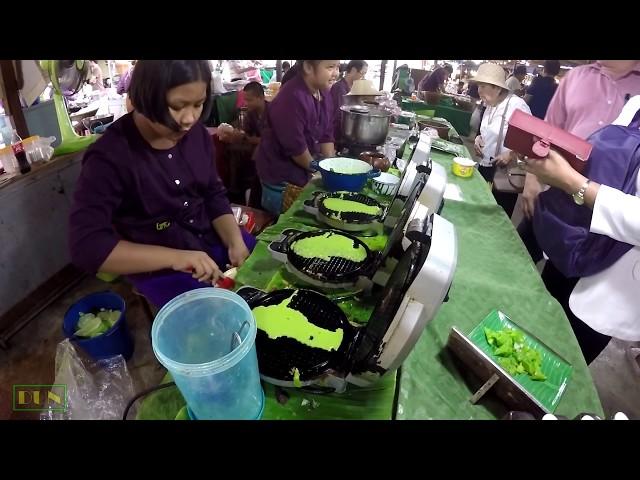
{"type": "Point", "coordinates": [278, 357]}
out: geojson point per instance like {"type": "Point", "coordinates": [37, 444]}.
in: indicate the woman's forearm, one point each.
{"type": "Point", "coordinates": [227, 229]}
{"type": "Point", "coordinates": [129, 258]}
{"type": "Point", "coordinates": [328, 149]}
{"type": "Point", "coordinates": [304, 159]}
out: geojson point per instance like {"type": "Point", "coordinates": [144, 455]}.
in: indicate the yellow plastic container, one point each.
{"type": "Point", "coordinates": [463, 167]}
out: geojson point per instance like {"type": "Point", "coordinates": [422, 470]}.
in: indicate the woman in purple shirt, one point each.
{"type": "Point", "coordinates": [149, 203]}
{"type": "Point", "coordinates": [356, 70]}
{"type": "Point", "coordinates": [298, 128]}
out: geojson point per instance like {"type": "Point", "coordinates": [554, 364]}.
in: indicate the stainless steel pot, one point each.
{"type": "Point", "coordinates": [364, 126]}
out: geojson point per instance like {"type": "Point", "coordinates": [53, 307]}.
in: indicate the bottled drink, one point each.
{"type": "Point", "coordinates": [19, 152]}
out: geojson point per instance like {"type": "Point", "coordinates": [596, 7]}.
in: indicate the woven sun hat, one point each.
{"type": "Point", "coordinates": [491, 73]}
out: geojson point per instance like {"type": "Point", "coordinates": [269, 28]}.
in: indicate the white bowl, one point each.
{"type": "Point", "coordinates": [386, 184]}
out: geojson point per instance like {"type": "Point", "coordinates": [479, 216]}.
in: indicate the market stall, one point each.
{"type": "Point", "coordinates": [493, 271]}
{"type": "Point", "coordinates": [460, 118]}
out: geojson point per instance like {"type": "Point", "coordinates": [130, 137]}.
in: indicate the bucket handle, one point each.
{"type": "Point", "coordinates": [235, 337]}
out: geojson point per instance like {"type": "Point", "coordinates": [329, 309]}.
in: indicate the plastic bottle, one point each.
{"type": "Point", "coordinates": [20, 154]}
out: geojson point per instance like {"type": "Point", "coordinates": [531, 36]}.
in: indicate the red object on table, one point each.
{"type": "Point", "coordinates": [532, 137]}
{"type": "Point", "coordinates": [251, 221]}
{"type": "Point", "coordinates": [258, 219]}
{"type": "Point", "coordinates": [226, 283]}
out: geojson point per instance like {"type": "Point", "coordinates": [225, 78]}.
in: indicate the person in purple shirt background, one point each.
{"type": "Point", "coordinates": [125, 80]}
{"type": "Point", "coordinates": [285, 67]}
{"type": "Point", "coordinates": [256, 108]}
{"type": "Point", "coordinates": [298, 128]}
{"type": "Point", "coordinates": [356, 70]}
{"type": "Point", "coordinates": [242, 146]}
{"type": "Point", "coordinates": [435, 81]}
{"type": "Point", "coordinates": [149, 203]}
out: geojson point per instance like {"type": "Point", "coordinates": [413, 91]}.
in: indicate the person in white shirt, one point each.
{"type": "Point", "coordinates": [514, 82]}
{"type": "Point", "coordinates": [501, 104]}
{"type": "Point", "coordinates": [607, 303]}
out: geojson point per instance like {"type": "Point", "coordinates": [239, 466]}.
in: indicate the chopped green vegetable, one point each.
{"type": "Point", "coordinates": [515, 356]}
{"type": "Point", "coordinates": [91, 325]}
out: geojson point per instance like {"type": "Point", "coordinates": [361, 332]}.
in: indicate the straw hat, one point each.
{"type": "Point", "coordinates": [363, 87]}
{"type": "Point", "coordinates": [491, 73]}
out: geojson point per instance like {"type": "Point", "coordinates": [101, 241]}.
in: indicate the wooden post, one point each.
{"type": "Point", "coordinates": [11, 91]}
{"type": "Point", "coordinates": [278, 70]}
{"type": "Point", "coordinates": [383, 71]}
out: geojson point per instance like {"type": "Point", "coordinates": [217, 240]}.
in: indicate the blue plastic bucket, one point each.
{"type": "Point", "coordinates": [344, 174]}
{"type": "Point", "coordinates": [206, 340]}
{"type": "Point", "coordinates": [115, 341]}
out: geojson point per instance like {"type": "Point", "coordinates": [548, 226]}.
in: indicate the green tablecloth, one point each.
{"type": "Point", "coordinates": [261, 271]}
{"type": "Point", "coordinates": [460, 119]}
{"type": "Point", "coordinates": [494, 271]}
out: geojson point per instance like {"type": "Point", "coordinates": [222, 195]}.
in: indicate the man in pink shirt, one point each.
{"type": "Point", "coordinates": [588, 98]}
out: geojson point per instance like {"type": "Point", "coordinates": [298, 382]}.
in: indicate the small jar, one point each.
{"type": "Point", "coordinates": [8, 160]}
{"type": "Point", "coordinates": [33, 150]}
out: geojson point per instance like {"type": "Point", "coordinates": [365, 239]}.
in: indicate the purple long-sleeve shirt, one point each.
{"type": "Point", "coordinates": [128, 190]}
{"type": "Point", "coordinates": [338, 91]}
{"type": "Point", "coordinates": [296, 121]}
{"type": "Point", "coordinates": [125, 81]}
{"type": "Point", "coordinates": [434, 81]}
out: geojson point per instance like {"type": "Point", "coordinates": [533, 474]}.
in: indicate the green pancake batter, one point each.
{"type": "Point", "coordinates": [344, 206]}
{"type": "Point", "coordinates": [281, 321]}
{"type": "Point", "coordinates": [329, 245]}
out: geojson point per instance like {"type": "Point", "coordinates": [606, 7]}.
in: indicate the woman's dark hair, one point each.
{"type": "Point", "coordinates": [520, 70]}
{"type": "Point", "coordinates": [255, 88]}
{"type": "Point", "coordinates": [552, 67]}
{"type": "Point", "coordinates": [448, 68]}
{"type": "Point", "coordinates": [286, 64]}
{"type": "Point", "coordinates": [297, 68]}
{"type": "Point", "coordinates": [154, 78]}
{"type": "Point", "coordinates": [357, 64]}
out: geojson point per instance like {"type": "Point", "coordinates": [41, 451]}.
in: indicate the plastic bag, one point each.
{"type": "Point", "coordinates": [96, 390]}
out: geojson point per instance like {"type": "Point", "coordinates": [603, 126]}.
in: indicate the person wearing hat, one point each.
{"type": "Point", "coordinates": [356, 70]}
{"type": "Point", "coordinates": [501, 103]}
{"type": "Point", "coordinates": [298, 128]}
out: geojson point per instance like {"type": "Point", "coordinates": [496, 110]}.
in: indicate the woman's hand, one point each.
{"type": "Point", "coordinates": [555, 171]}
{"type": "Point", "coordinates": [504, 159]}
{"type": "Point", "coordinates": [532, 189]}
{"type": "Point", "coordinates": [238, 253]}
{"type": "Point", "coordinates": [478, 145]}
{"type": "Point", "coordinates": [199, 264]}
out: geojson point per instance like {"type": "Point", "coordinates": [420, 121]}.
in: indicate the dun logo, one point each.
{"type": "Point", "coordinates": [162, 226]}
{"type": "Point", "coordinates": [37, 398]}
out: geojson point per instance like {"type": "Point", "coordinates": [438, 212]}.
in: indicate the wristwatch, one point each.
{"type": "Point", "coordinates": [578, 197]}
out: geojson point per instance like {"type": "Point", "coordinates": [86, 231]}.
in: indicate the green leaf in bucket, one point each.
{"type": "Point", "coordinates": [90, 325]}
{"type": "Point", "coordinates": [110, 317]}
{"type": "Point", "coordinates": [84, 320]}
